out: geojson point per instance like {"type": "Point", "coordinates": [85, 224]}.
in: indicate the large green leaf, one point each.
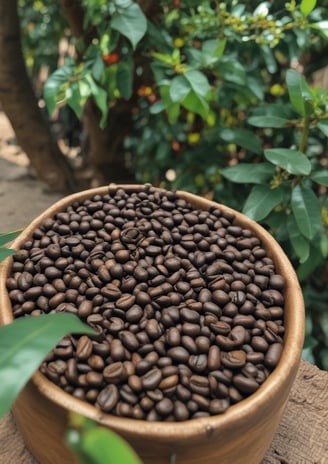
{"type": "Point", "coordinates": [306, 210]}
{"type": "Point", "coordinates": [242, 137]}
{"type": "Point", "coordinates": [196, 104]}
{"type": "Point", "coordinates": [8, 237]}
{"type": "Point", "coordinates": [25, 343]}
{"type": "Point", "coordinates": [249, 173]}
{"type": "Point", "coordinates": [179, 88]}
{"type": "Point", "coordinates": [267, 121]}
{"type": "Point", "coordinates": [74, 99]}
{"type": "Point", "coordinates": [261, 201]}
{"type": "Point", "coordinates": [299, 92]}
{"type": "Point", "coordinates": [299, 243]}
{"type": "Point", "coordinates": [5, 252]}
{"type": "Point", "coordinates": [130, 22]}
{"type": "Point", "coordinates": [98, 445]}
{"type": "Point", "coordinates": [198, 82]}
{"type": "Point", "coordinates": [54, 85]}
{"type": "Point", "coordinates": [320, 177]}
{"type": "Point", "coordinates": [323, 126]}
{"type": "Point", "coordinates": [293, 161]}
{"type": "Point", "coordinates": [232, 71]}
{"type": "Point", "coordinates": [125, 79]}
{"type": "Point", "coordinates": [307, 6]}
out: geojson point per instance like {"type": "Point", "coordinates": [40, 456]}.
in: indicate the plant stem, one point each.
{"type": "Point", "coordinates": [305, 134]}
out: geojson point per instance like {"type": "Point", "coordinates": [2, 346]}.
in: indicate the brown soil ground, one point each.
{"type": "Point", "coordinates": [22, 195]}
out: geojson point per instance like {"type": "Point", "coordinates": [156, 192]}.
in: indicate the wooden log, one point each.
{"type": "Point", "coordinates": [302, 436]}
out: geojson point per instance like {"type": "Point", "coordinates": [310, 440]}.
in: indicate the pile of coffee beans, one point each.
{"type": "Point", "coordinates": [187, 304]}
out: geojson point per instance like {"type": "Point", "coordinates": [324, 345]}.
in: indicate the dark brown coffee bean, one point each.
{"type": "Point", "coordinates": [114, 373]}
{"type": "Point", "coordinates": [259, 344]}
{"type": "Point", "coordinates": [94, 378]}
{"type": "Point", "coordinates": [152, 379]}
{"type": "Point", "coordinates": [181, 412]}
{"type": "Point", "coordinates": [112, 292]}
{"type": "Point", "coordinates": [84, 348]}
{"type": "Point", "coordinates": [125, 301]}
{"type": "Point", "coordinates": [31, 293]}
{"type": "Point", "coordinates": [214, 358]}
{"type": "Point", "coordinates": [108, 398]}
{"type": "Point", "coordinates": [246, 385]}
{"type": "Point", "coordinates": [129, 340]}
{"type": "Point", "coordinates": [233, 359]}
{"type": "Point", "coordinates": [273, 355]}
{"type": "Point", "coordinates": [272, 297]}
{"type": "Point", "coordinates": [198, 363]}
{"type": "Point", "coordinates": [220, 297]}
{"type": "Point", "coordinates": [178, 354]}
{"type": "Point", "coordinates": [218, 406]}
{"type": "Point", "coordinates": [169, 382]}
{"type": "Point", "coordinates": [153, 329]}
{"type": "Point", "coordinates": [164, 407]}
{"type": "Point", "coordinates": [173, 336]}
{"type": "Point", "coordinates": [189, 343]}
{"type": "Point", "coordinates": [135, 383]}
{"type": "Point", "coordinates": [277, 281]}
{"type": "Point", "coordinates": [85, 309]}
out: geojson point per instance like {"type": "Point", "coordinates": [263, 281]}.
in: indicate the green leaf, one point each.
{"type": "Point", "coordinates": [5, 252]}
{"type": "Point", "coordinates": [198, 82]}
{"type": "Point", "coordinates": [74, 99]}
{"type": "Point", "coordinates": [125, 79]}
{"type": "Point", "coordinates": [97, 67]}
{"type": "Point", "coordinates": [179, 89]}
{"type": "Point", "coordinates": [54, 85]}
{"type": "Point", "coordinates": [320, 177]}
{"type": "Point", "coordinates": [323, 126]}
{"type": "Point", "coordinates": [98, 445]}
{"type": "Point", "coordinates": [232, 71]}
{"type": "Point", "coordinates": [242, 137]}
{"type": "Point", "coordinates": [269, 59]}
{"type": "Point", "coordinates": [313, 262]}
{"type": "Point", "coordinates": [261, 201]}
{"type": "Point", "coordinates": [306, 210]}
{"type": "Point", "coordinates": [300, 244]}
{"type": "Point", "coordinates": [101, 100]}
{"type": "Point", "coordinates": [212, 50]}
{"type": "Point", "coordinates": [322, 27]}
{"type": "Point", "coordinates": [25, 343]}
{"type": "Point", "coordinates": [249, 173]}
{"type": "Point", "coordinates": [8, 237]}
{"type": "Point", "coordinates": [299, 93]}
{"type": "Point", "coordinates": [196, 104]}
{"type": "Point", "coordinates": [307, 6]}
{"type": "Point", "coordinates": [267, 121]}
{"type": "Point", "coordinates": [293, 161]}
{"type": "Point", "coordinates": [130, 22]}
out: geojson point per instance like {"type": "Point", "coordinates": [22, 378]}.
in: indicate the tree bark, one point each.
{"type": "Point", "coordinates": [21, 107]}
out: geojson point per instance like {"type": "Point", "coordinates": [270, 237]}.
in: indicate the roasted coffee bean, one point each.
{"type": "Point", "coordinates": [178, 354]}
{"type": "Point", "coordinates": [245, 384]}
{"type": "Point", "coordinates": [84, 348]}
{"type": "Point", "coordinates": [181, 412]}
{"type": "Point", "coordinates": [198, 363]}
{"type": "Point", "coordinates": [152, 379]}
{"type": "Point", "coordinates": [214, 358]}
{"type": "Point", "coordinates": [218, 406]}
{"type": "Point", "coordinates": [108, 398]}
{"type": "Point", "coordinates": [233, 359]}
{"type": "Point", "coordinates": [273, 354]}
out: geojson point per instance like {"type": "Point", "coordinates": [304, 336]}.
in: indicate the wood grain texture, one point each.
{"type": "Point", "coordinates": [302, 436]}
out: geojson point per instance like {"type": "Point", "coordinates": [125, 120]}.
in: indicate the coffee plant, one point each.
{"type": "Point", "coordinates": [223, 105]}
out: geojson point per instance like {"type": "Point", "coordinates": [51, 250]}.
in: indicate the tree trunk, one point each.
{"type": "Point", "coordinates": [21, 107]}
{"type": "Point", "coordinates": [103, 148]}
